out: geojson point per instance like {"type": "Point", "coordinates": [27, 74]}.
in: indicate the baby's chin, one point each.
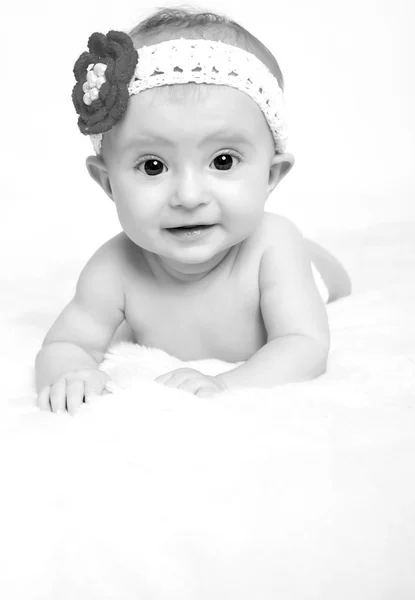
{"type": "Point", "coordinates": [197, 259]}
{"type": "Point", "coordinates": [197, 262]}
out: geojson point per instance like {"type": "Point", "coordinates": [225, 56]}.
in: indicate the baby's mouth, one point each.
{"type": "Point", "coordinates": [188, 227]}
{"type": "Point", "coordinates": [189, 230]}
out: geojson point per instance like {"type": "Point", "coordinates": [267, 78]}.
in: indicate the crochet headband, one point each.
{"type": "Point", "coordinates": [113, 70]}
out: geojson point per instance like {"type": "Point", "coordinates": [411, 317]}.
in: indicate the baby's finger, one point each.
{"type": "Point", "coordinates": [58, 396]}
{"type": "Point", "coordinates": [95, 385]}
{"type": "Point", "coordinates": [205, 392]}
{"type": "Point", "coordinates": [164, 378]}
{"type": "Point", "coordinates": [43, 398]}
{"type": "Point", "coordinates": [177, 376]}
{"type": "Point", "coordinates": [191, 385]}
{"type": "Point", "coordinates": [74, 395]}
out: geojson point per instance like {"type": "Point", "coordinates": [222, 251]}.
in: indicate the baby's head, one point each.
{"type": "Point", "coordinates": [176, 149]}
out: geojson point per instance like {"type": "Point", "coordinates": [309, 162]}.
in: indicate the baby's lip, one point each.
{"type": "Point", "coordinates": [190, 226]}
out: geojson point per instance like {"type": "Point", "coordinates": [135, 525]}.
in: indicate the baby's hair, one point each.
{"type": "Point", "coordinates": [188, 22]}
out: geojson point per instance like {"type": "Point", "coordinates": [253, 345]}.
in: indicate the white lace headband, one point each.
{"type": "Point", "coordinates": [105, 82]}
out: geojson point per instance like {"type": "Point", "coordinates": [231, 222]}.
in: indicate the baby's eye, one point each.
{"type": "Point", "coordinates": [152, 166]}
{"type": "Point", "coordinates": [224, 161]}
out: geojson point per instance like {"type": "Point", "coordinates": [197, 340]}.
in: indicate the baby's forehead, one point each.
{"type": "Point", "coordinates": [193, 99]}
{"type": "Point", "coordinates": [189, 92]}
{"type": "Point", "coordinates": [201, 103]}
{"type": "Point", "coordinates": [202, 113]}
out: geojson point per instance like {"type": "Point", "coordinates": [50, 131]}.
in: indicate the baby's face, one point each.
{"type": "Point", "coordinates": [201, 160]}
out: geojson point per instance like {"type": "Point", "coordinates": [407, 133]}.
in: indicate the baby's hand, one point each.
{"type": "Point", "coordinates": [192, 381]}
{"type": "Point", "coordinates": [69, 391]}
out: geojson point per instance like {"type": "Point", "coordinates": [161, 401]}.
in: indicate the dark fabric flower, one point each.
{"type": "Point", "coordinates": [117, 52]}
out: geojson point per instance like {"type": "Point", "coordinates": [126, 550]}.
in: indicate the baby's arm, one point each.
{"type": "Point", "coordinates": [294, 315]}
{"type": "Point", "coordinates": [67, 364]}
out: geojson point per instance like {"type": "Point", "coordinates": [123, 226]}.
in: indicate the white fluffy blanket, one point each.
{"type": "Point", "coordinates": [304, 492]}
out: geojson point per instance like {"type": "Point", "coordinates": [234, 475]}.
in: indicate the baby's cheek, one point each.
{"type": "Point", "coordinates": [128, 215]}
{"type": "Point", "coordinates": [137, 218]}
{"type": "Point", "coordinates": [249, 205]}
{"type": "Point", "coordinates": [248, 218]}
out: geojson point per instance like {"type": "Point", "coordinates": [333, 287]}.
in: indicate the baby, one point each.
{"type": "Point", "coordinates": [187, 120]}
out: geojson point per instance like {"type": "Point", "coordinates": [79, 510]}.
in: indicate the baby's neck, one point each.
{"type": "Point", "coordinates": [169, 271]}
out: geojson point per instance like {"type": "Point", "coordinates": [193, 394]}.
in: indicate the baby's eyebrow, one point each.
{"type": "Point", "coordinates": [222, 135]}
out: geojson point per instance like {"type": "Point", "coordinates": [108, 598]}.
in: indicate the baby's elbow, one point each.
{"type": "Point", "coordinates": [321, 368]}
{"type": "Point", "coordinates": [321, 356]}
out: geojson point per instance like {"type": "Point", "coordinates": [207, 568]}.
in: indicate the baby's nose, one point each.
{"type": "Point", "coordinates": [189, 190]}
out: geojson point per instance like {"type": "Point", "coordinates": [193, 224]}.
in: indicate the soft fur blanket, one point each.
{"type": "Point", "coordinates": [302, 492]}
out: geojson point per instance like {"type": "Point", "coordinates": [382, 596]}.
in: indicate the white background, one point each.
{"type": "Point", "coordinates": [350, 92]}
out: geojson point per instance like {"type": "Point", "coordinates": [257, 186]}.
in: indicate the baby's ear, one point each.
{"type": "Point", "coordinates": [99, 173]}
{"type": "Point", "coordinates": [281, 164]}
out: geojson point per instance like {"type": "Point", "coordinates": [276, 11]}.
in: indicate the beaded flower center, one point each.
{"type": "Point", "coordinates": [95, 78]}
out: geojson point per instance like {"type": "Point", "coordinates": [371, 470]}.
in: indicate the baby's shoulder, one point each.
{"type": "Point", "coordinates": [112, 251]}
{"type": "Point", "coordinates": [108, 263]}
{"type": "Point", "coordinates": [100, 282]}
{"type": "Point", "coordinates": [276, 231]}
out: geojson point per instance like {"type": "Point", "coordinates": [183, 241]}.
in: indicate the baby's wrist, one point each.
{"type": "Point", "coordinates": [222, 381]}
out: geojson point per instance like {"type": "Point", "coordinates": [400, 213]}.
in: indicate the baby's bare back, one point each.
{"type": "Point", "coordinates": [218, 316]}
